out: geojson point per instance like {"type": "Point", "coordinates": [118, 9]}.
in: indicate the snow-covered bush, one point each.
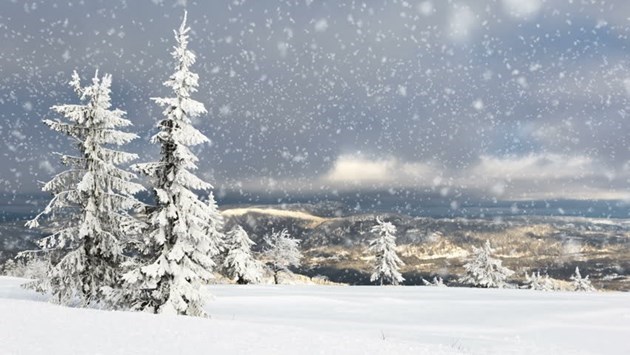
{"type": "Point", "coordinates": [240, 263]}
{"type": "Point", "coordinates": [89, 212]}
{"type": "Point", "coordinates": [436, 282]}
{"type": "Point", "coordinates": [483, 270]}
{"type": "Point", "coordinates": [386, 266]}
{"type": "Point", "coordinates": [539, 282]}
{"type": "Point", "coordinates": [281, 252]}
{"type": "Point", "coordinates": [184, 233]}
{"type": "Point", "coordinates": [28, 265]}
{"type": "Point", "coordinates": [581, 284]}
{"type": "Point", "coordinates": [320, 279]}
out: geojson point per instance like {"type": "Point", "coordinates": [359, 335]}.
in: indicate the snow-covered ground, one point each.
{"type": "Point", "coordinates": [329, 320]}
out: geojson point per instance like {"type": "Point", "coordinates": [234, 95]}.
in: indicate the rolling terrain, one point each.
{"type": "Point", "coordinates": [336, 246]}
{"type": "Point", "coordinates": [334, 242]}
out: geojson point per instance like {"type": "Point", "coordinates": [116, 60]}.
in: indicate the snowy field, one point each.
{"type": "Point", "coordinates": [329, 320]}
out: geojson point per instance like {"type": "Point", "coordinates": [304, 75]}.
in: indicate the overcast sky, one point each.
{"type": "Point", "coordinates": [510, 99]}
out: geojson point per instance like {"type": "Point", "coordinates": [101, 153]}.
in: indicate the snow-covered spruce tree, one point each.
{"type": "Point", "coordinates": [539, 282]}
{"type": "Point", "coordinates": [281, 253]}
{"type": "Point", "coordinates": [184, 232]}
{"type": "Point", "coordinates": [581, 284]}
{"type": "Point", "coordinates": [386, 267]}
{"type": "Point", "coordinates": [240, 264]}
{"type": "Point", "coordinates": [10, 268]}
{"type": "Point", "coordinates": [88, 214]}
{"type": "Point", "coordinates": [485, 271]}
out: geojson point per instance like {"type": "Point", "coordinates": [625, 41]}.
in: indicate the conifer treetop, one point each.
{"type": "Point", "coordinates": [184, 83]}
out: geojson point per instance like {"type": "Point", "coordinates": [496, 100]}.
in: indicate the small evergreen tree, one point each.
{"type": "Point", "coordinates": [88, 213]}
{"type": "Point", "coordinates": [485, 271]}
{"type": "Point", "coordinates": [184, 233]}
{"type": "Point", "coordinates": [28, 264]}
{"type": "Point", "coordinates": [386, 267]}
{"type": "Point", "coordinates": [239, 262]}
{"type": "Point", "coordinates": [437, 282]}
{"type": "Point", "coordinates": [9, 268]}
{"type": "Point", "coordinates": [581, 284]}
{"type": "Point", "coordinates": [281, 253]}
{"type": "Point", "coordinates": [539, 282]}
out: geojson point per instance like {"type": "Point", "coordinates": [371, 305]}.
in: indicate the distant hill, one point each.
{"type": "Point", "coordinates": [335, 246]}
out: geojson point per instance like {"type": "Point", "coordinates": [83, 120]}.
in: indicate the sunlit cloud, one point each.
{"type": "Point", "coordinates": [361, 171]}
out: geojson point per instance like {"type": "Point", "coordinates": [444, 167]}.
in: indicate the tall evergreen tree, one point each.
{"type": "Point", "coordinates": [88, 213]}
{"type": "Point", "coordinates": [239, 262]}
{"type": "Point", "coordinates": [386, 268]}
{"type": "Point", "coordinates": [485, 271]}
{"type": "Point", "coordinates": [184, 233]}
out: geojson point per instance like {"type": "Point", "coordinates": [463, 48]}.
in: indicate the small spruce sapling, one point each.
{"type": "Point", "coordinates": [539, 282]}
{"type": "Point", "coordinates": [581, 284]}
{"type": "Point", "coordinates": [482, 270]}
{"type": "Point", "coordinates": [240, 263]}
{"type": "Point", "coordinates": [387, 264]}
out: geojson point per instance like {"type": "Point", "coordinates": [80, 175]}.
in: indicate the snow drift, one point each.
{"type": "Point", "coordinates": [329, 320]}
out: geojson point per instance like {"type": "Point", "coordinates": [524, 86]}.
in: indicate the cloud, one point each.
{"type": "Point", "coordinates": [626, 86]}
{"type": "Point", "coordinates": [534, 166]}
{"type": "Point", "coordinates": [529, 176]}
{"type": "Point", "coordinates": [426, 8]}
{"type": "Point", "coordinates": [522, 8]}
{"type": "Point", "coordinates": [356, 170]}
{"type": "Point", "coordinates": [538, 176]}
{"type": "Point", "coordinates": [462, 22]}
{"type": "Point", "coordinates": [321, 25]}
{"type": "Point", "coordinates": [545, 176]}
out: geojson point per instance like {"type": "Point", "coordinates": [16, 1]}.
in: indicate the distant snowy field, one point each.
{"type": "Point", "coordinates": [329, 320]}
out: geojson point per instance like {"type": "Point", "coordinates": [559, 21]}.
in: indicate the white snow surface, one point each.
{"type": "Point", "coordinates": [329, 320]}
